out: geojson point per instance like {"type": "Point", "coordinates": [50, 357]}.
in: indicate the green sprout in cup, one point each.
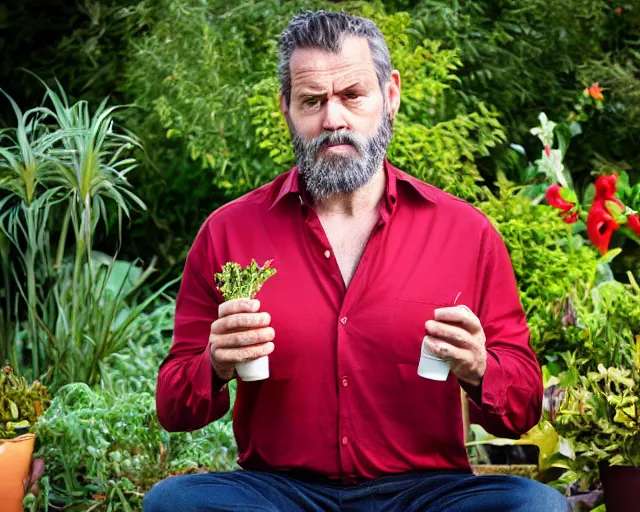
{"type": "Point", "coordinates": [235, 282]}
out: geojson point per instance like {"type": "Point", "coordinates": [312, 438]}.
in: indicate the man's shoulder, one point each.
{"type": "Point", "coordinates": [448, 204]}
{"type": "Point", "coordinates": [254, 202]}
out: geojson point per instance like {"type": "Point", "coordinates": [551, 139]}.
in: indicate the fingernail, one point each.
{"type": "Point", "coordinates": [255, 304]}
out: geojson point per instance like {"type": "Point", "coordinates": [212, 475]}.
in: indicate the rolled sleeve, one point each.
{"type": "Point", "coordinates": [189, 395]}
{"type": "Point", "coordinates": [511, 397]}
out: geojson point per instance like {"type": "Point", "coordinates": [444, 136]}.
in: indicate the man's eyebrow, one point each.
{"type": "Point", "coordinates": [313, 90]}
{"type": "Point", "coordinates": [354, 85]}
{"type": "Point", "coordinates": [310, 92]}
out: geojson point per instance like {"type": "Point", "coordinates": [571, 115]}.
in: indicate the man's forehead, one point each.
{"type": "Point", "coordinates": [354, 60]}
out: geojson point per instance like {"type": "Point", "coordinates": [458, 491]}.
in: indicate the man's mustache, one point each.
{"type": "Point", "coordinates": [340, 137]}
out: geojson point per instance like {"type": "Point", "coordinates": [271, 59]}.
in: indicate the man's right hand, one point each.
{"type": "Point", "coordinates": [239, 334]}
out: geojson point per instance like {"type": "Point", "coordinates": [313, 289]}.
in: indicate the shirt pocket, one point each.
{"type": "Point", "coordinates": [411, 312]}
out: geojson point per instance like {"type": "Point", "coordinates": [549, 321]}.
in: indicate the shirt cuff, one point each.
{"type": "Point", "coordinates": [207, 382]}
{"type": "Point", "coordinates": [494, 387]}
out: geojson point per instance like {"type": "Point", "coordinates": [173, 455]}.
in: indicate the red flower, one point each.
{"type": "Point", "coordinates": [570, 217]}
{"type": "Point", "coordinates": [633, 222]}
{"type": "Point", "coordinates": [554, 198]}
{"type": "Point", "coordinates": [600, 222]}
{"type": "Point", "coordinates": [619, 11]}
{"type": "Point", "coordinates": [595, 91]}
{"type": "Point", "coordinates": [600, 226]}
{"type": "Point", "coordinates": [606, 187]}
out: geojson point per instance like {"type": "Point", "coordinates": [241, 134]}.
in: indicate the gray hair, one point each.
{"type": "Point", "coordinates": [327, 30]}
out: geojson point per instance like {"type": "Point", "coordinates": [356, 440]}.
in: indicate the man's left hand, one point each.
{"type": "Point", "coordinates": [456, 335]}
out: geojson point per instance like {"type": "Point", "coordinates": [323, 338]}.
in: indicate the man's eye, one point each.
{"type": "Point", "coordinates": [311, 102]}
{"type": "Point", "coordinates": [352, 96]}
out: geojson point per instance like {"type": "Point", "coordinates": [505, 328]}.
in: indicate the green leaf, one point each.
{"type": "Point", "coordinates": [518, 149]}
{"type": "Point", "coordinates": [629, 234]}
{"type": "Point", "coordinates": [609, 256]}
{"type": "Point", "coordinates": [616, 211]}
{"type": "Point", "coordinates": [236, 282]}
{"type": "Point", "coordinates": [587, 197]}
{"type": "Point", "coordinates": [623, 185]}
{"type": "Point", "coordinates": [568, 195]}
{"type": "Point", "coordinates": [569, 378]}
{"type": "Point", "coordinates": [13, 410]}
{"type": "Point", "coordinates": [18, 425]}
{"type": "Point", "coordinates": [563, 133]}
{"type": "Point", "coordinates": [575, 128]}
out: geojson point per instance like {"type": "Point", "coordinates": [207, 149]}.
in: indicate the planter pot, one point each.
{"type": "Point", "coordinates": [15, 465]}
{"type": "Point", "coordinates": [620, 485]}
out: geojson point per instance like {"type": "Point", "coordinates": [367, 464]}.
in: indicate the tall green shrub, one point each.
{"type": "Point", "coordinates": [527, 56]}
{"type": "Point", "coordinates": [61, 168]}
{"type": "Point", "coordinates": [552, 266]}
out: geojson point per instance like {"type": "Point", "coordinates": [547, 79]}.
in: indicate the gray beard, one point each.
{"type": "Point", "coordinates": [330, 175]}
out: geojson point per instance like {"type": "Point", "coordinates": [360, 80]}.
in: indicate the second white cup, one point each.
{"type": "Point", "coordinates": [432, 367]}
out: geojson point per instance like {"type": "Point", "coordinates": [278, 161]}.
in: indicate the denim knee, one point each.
{"type": "Point", "coordinates": [163, 496]}
{"type": "Point", "coordinates": [539, 497]}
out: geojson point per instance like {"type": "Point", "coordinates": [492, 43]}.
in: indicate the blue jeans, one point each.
{"type": "Point", "coordinates": [410, 492]}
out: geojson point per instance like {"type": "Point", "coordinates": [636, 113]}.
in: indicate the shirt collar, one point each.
{"type": "Point", "coordinates": [291, 185]}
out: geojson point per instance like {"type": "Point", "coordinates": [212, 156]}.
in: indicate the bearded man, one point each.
{"type": "Point", "coordinates": [373, 267]}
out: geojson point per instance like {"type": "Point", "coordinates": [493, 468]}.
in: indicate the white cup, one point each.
{"type": "Point", "coordinates": [257, 369]}
{"type": "Point", "coordinates": [432, 367]}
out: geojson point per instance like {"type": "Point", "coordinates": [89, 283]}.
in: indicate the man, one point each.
{"type": "Point", "coordinates": [371, 265]}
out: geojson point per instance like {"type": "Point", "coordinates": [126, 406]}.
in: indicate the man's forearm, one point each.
{"type": "Point", "coordinates": [189, 394]}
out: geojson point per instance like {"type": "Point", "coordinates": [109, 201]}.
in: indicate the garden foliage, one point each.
{"type": "Point", "coordinates": [88, 210]}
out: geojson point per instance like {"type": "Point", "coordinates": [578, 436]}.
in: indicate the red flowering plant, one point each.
{"type": "Point", "coordinates": [606, 213]}
{"type": "Point", "coordinates": [607, 204]}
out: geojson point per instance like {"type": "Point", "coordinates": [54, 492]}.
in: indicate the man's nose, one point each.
{"type": "Point", "coordinates": [333, 116]}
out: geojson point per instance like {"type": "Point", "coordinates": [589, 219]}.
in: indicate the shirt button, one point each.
{"type": "Point", "coordinates": [345, 441]}
{"type": "Point", "coordinates": [345, 382]}
{"type": "Point", "coordinates": [344, 320]}
{"type": "Point", "coordinates": [327, 254]}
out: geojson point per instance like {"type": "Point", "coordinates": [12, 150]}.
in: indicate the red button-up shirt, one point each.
{"type": "Point", "coordinates": [344, 399]}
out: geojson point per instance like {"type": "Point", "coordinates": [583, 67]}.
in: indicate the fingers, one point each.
{"type": "Point", "coordinates": [231, 307]}
{"type": "Point", "coordinates": [240, 322]}
{"type": "Point", "coordinates": [243, 338]}
{"type": "Point", "coordinates": [468, 364]}
{"type": "Point", "coordinates": [451, 333]}
{"type": "Point", "coordinates": [241, 333]}
{"type": "Point", "coordinates": [447, 351]}
{"type": "Point", "coordinates": [460, 315]}
{"type": "Point", "coordinates": [231, 356]}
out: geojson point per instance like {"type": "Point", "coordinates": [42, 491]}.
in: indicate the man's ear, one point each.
{"type": "Point", "coordinates": [393, 93]}
{"type": "Point", "coordinates": [284, 108]}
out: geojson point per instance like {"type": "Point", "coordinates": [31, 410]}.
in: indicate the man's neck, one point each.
{"type": "Point", "coordinates": [362, 201]}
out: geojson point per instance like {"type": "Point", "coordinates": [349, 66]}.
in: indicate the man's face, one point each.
{"type": "Point", "coordinates": [340, 119]}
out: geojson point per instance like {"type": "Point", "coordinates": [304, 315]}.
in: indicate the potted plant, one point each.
{"type": "Point", "coordinates": [21, 404]}
{"type": "Point", "coordinates": [599, 411]}
{"type": "Point", "coordinates": [236, 282]}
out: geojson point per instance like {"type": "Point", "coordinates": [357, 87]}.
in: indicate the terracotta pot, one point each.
{"type": "Point", "coordinates": [620, 485]}
{"type": "Point", "coordinates": [15, 465]}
